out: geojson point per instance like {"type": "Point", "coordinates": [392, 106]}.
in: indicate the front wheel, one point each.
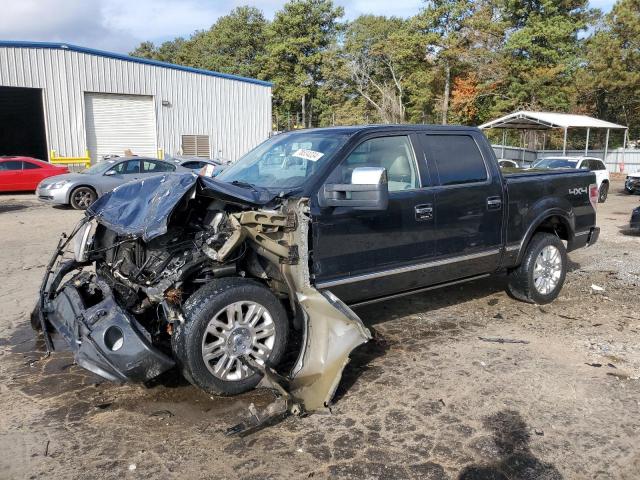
{"type": "Point", "coordinates": [604, 191]}
{"type": "Point", "coordinates": [226, 320]}
{"type": "Point", "coordinates": [540, 276]}
{"type": "Point", "coordinates": [82, 197]}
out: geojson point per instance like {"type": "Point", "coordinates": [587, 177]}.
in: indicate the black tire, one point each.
{"type": "Point", "coordinates": [603, 193]}
{"type": "Point", "coordinates": [521, 283]}
{"type": "Point", "coordinates": [200, 308]}
{"type": "Point", "coordinates": [81, 197]}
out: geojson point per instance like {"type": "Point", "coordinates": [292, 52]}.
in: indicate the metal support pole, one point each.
{"type": "Point", "coordinates": [606, 147]}
{"type": "Point", "coordinates": [586, 145]}
{"type": "Point", "coordinates": [564, 143]}
{"type": "Point", "coordinates": [504, 139]}
{"type": "Point", "coordinates": [624, 149]}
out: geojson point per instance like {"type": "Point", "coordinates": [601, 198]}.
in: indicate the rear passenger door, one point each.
{"type": "Point", "coordinates": [468, 206]}
{"type": "Point", "coordinates": [360, 254]}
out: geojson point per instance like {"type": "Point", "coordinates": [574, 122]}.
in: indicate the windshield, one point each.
{"type": "Point", "coordinates": [99, 167]}
{"type": "Point", "coordinates": [284, 161]}
{"type": "Point", "coordinates": [555, 163]}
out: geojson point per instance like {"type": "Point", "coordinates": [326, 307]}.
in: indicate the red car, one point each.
{"type": "Point", "coordinates": [24, 173]}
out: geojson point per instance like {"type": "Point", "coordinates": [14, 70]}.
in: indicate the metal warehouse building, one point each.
{"type": "Point", "coordinates": [63, 100]}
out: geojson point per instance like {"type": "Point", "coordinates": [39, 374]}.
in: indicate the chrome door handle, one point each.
{"type": "Point", "coordinates": [494, 203]}
{"type": "Point", "coordinates": [424, 212]}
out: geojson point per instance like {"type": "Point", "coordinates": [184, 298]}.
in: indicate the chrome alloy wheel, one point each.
{"type": "Point", "coordinates": [242, 328]}
{"type": "Point", "coordinates": [83, 198]}
{"type": "Point", "coordinates": [547, 270]}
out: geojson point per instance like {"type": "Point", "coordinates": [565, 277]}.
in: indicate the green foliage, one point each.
{"type": "Point", "coordinates": [463, 61]}
{"type": "Point", "coordinates": [610, 81]}
{"type": "Point", "coordinates": [234, 44]}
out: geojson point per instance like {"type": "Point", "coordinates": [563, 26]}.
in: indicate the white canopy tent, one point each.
{"type": "Point", "coordinates": [526, 120]}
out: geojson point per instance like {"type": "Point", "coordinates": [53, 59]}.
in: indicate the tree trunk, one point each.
{"type": "Point", "coordinates": [445, 100]}
{"type": "Point", "coordinates": [304, 110]}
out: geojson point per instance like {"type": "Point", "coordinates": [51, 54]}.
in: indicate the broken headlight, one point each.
{"type": "Point", "coordinates": [82, 241]}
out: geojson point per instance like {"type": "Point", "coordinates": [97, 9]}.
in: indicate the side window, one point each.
{"type": "Point", "coordinates": [194, 165]}
{"type": "Point", "coordinates": [151, 166]}
{"type": "Point", "coordinates": [29, 166]}
{"type": "Point", "coordinates": [598, 165]}
{"type": "Point", "coordinates": [11, 165]}
{"type": "Point", "coordinates": [131, 166]}
{"type": "Point", "coordinates": [395, 154]}
{"type": "Point", "coordinates": [457, 159]}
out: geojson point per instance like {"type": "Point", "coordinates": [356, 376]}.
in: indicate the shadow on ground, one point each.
{"type": "Point", "coordinates": [516, 461]}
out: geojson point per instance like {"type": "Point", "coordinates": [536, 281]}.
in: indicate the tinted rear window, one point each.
{"type": "Point", "coordinates": [29, 166]}
{"type": "Point", "coordinates": [457, 159]}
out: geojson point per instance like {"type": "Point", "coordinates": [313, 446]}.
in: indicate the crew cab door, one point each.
{"type": "Point", "coordinates": [360, 254]}
{"type": "Point", "coordinates": [469, 205]}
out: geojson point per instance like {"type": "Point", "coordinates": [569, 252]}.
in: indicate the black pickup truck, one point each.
{"type": "Point", "coordinates": [214, 275]}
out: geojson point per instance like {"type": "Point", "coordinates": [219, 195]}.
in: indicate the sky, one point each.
{"type": "Point", "coordinates": [120, 25]}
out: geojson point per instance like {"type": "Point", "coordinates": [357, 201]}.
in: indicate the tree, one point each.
{"type": "Point", "coordinates": [234, 44]}
{"type": "Point", "coordinates": [373, 64]}
{"type": "Point", "coordinates": [542, 52]}
{"type": "Point", "coordinates": [612, 73]}
{"type": "Point", "coordinates": [297, 43]}
{"type": "Point", "coordinates": [442, 23]}
{"type": "Point", "coordinates": [167, 52]}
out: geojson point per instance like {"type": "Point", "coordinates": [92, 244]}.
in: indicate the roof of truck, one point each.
{"type": "Point", "coordinates": [351, 129]}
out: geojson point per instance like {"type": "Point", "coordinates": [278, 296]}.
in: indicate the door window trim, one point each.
{"type": "Point", "coordinates": [432, 161]}
{"type": "Point", "coordinates": [372, 136]}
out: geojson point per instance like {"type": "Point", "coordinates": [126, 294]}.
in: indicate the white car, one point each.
{"type": "Point", "coordinates": [507, 163]}
{"type": "Point", "coordinates": [596, 165]}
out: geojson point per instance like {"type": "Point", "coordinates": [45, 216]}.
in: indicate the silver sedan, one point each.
{"type": "Point", "coordinates": [82, 189]}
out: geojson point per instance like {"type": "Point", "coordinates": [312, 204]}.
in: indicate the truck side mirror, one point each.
{"type": "Point", "coordinates": [368, 190]}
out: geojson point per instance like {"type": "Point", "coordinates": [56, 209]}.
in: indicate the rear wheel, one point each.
{"type": "Point", "coordinates": [226, 320]}
{"type": "Point", "coordinates": [82, 197]}
{"type": "Point", "coordinates": [540, 276]}
{"type": "Point", "coordinates": [604, 192]}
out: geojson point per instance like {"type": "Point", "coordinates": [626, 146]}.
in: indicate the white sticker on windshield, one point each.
{"type": "Point", "coordinates": [307, 154]}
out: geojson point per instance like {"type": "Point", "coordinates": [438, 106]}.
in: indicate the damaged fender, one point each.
{"type": "Point", "coordinates": [331, 329]}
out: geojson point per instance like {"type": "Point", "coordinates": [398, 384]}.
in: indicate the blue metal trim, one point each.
{"type": "Point", "coordinates": [128, 58]}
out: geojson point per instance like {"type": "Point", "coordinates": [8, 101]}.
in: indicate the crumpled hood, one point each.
{"type": "Point", "coordinates": [142, 208]}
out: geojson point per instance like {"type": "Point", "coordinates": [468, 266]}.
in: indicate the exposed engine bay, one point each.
{"type": "Point", "coordinates": [185, 271]}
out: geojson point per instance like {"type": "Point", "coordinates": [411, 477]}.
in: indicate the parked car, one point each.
{"type": "Point", "coordinates": [210, 274]}
{"type": "Point", "coordinates": [18, 174]}
{"type": "Point", "coordinates": [632, 183]}
{"type": "Point", "coordinates": [506, 163]}
{"type": "Point", "coordinates": [596, 165]}
{"type": "Point", "coordinates": [82, 189]}
{"type": "Point", "coordinates": [634, 223]}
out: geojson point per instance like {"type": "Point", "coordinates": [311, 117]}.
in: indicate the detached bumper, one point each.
{"type": "Point", "coordinates": [594, 234]}
{"type": "Point", "coordinates": [105, 339]}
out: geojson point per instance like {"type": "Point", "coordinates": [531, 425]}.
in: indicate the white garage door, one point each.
{"type": "Point", "coordinates": [116, 123]}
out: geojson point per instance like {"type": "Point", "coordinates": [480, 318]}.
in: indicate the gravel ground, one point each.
{"type": "Point", "coordinates": [428, 399]}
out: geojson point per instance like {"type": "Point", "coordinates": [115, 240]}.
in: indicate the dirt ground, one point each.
{"type": "Point", "coordinates": [428, 399]}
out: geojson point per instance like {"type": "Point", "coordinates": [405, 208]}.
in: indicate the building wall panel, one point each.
{"type": "Point", "coordinates": [235, 114]}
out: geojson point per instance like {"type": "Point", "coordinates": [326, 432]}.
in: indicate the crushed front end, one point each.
{"type": "Point", "coordinates": [124, 301]}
